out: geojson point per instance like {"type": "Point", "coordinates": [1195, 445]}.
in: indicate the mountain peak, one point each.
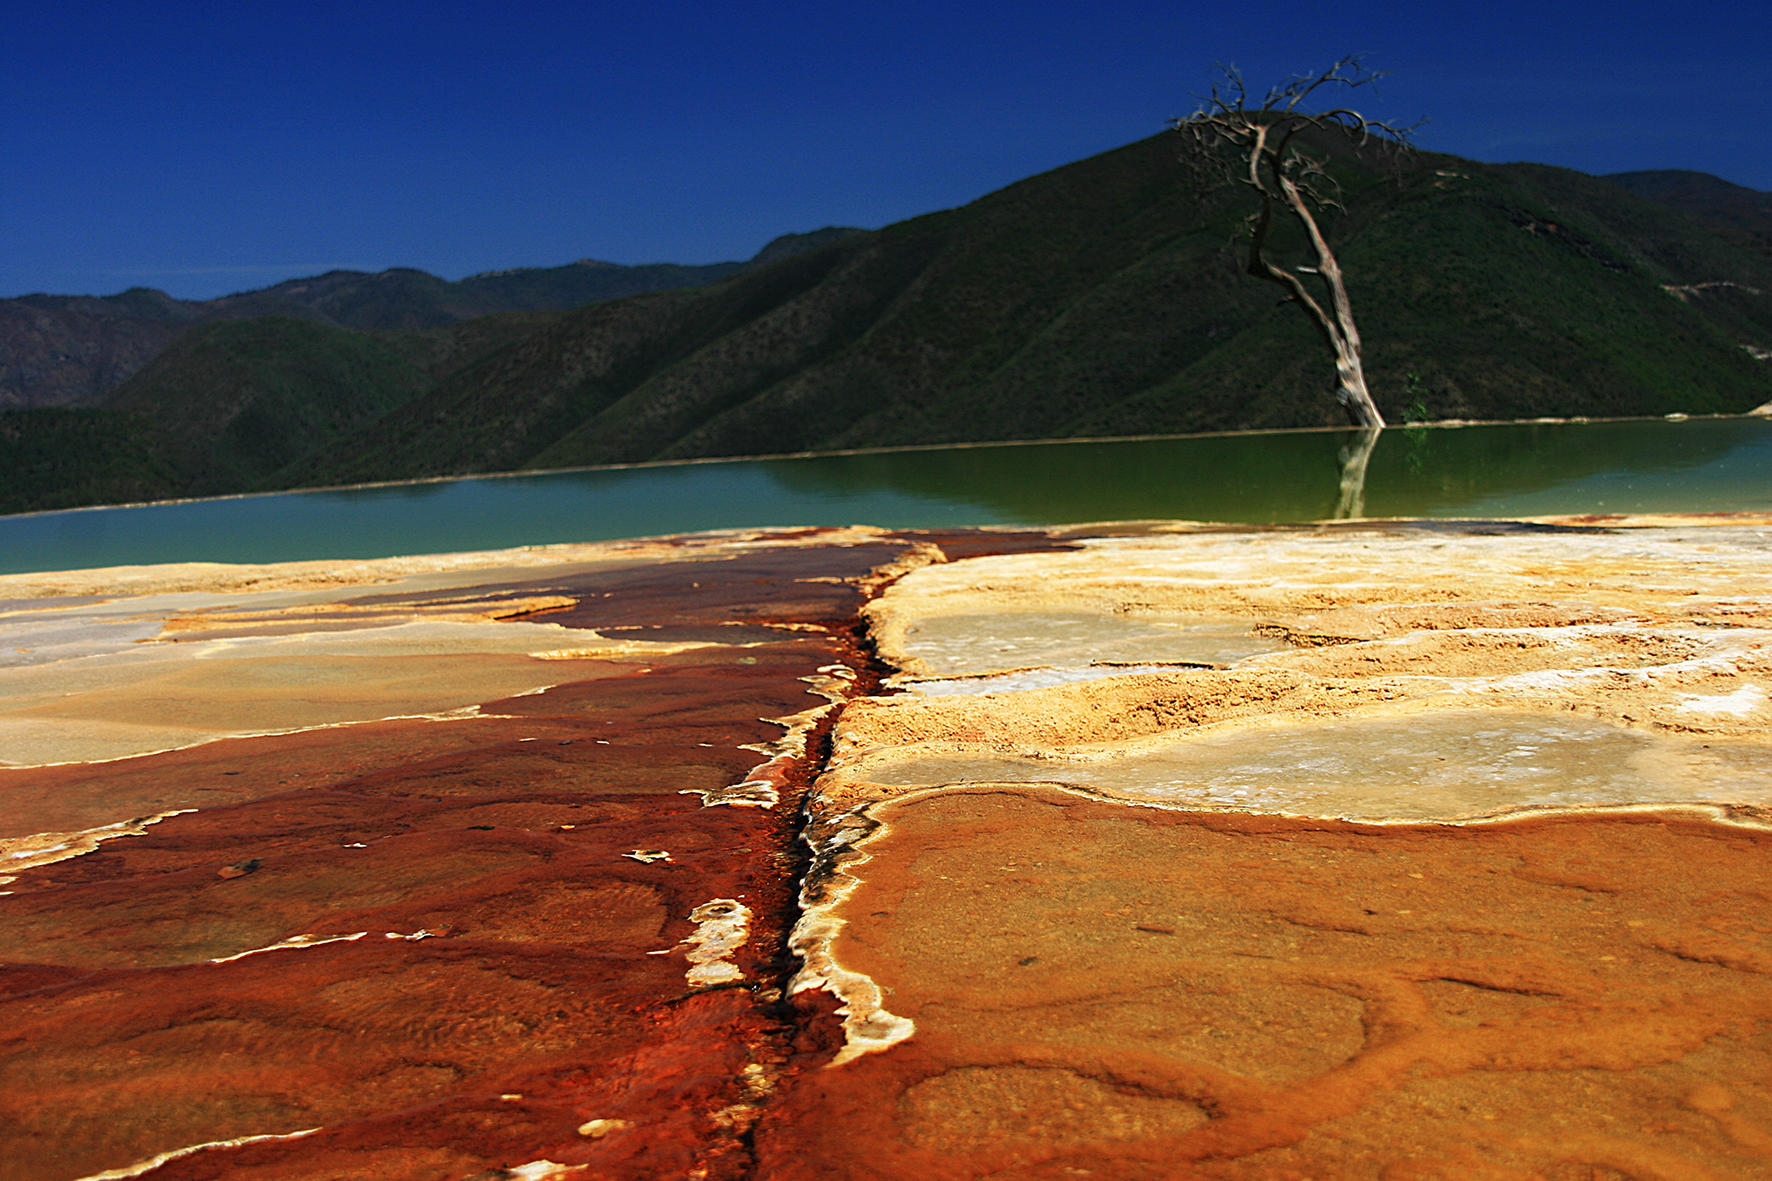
{"type": "Point", "coordinates": [789, 244]}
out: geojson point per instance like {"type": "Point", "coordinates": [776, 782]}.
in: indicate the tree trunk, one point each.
{"type": "Point", "coordinates": [1337, 327]}
{"type": "Point", "coordinates": [1344, 337]}
{"type": "Point", "coordinates": [1351, 389]}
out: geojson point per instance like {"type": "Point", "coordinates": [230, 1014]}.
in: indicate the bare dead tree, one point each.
{"type": "Point", "coordinates": [1256, 146]}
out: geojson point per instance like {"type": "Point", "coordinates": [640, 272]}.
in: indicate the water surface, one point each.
{"type": "Point", "coordinates": [1490, 471]}
{"type": "Point", "coordinates": [978, 645]}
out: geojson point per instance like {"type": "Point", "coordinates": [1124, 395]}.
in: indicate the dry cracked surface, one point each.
{"type": "Point", "coordinates": [1389, 851]}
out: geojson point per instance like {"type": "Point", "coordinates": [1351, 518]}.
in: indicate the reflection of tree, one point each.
{"type": "Point", "coordinates": [1418, 447]}
{"type": "Point", "coordinates": [1268, 477]}
{"type": "Point", "coordinates": [1256, 477]}
{"type": "Point", "coordinates": [1354, 458]}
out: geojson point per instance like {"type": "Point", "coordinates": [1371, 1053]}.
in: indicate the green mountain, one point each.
{"type": "Point", "coordinates": [54, 457]}
{"type": "Point", "coordinates": [1104, 298]}
{"type": "Point", "coordinates": [230, 405]}
{"type": "Point", "coordinates": [73, 350]}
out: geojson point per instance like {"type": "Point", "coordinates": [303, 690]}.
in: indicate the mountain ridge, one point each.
{"type": "Point", "coordinates": [73, 350]}
{"type": "Point", "coordinates": [1701, 194]}
{"type": "Point", "coordinates": [1104, 298]}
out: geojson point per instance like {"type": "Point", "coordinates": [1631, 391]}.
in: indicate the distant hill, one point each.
{"type": "Point", "coordinates": [73, 350]}
{"type": "Point", "coordinates": [1103, 298]}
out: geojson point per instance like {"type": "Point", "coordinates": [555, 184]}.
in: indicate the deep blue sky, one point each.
{"type": "Point", "coordinates": [212, 147]}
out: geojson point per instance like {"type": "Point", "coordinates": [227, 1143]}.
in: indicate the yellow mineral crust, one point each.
{"type": "Point", "coordinates": [145, 698]}
{"type": "Point", "coordinates": [1385, 579]}
{"type": "Point", "coordinates": [175, 656]}
{"type": "Point", "coordinates": [458, 569]}
{"type": "Point", "coordinates": [323, 616]}
{"type": "Point", "coordinates": [1656, 631]}
{"type": "Point", "coordinates": [1418, 675]}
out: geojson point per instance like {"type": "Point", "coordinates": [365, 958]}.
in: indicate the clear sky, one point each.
{"type": "Point", "coordinates": [204, 148]}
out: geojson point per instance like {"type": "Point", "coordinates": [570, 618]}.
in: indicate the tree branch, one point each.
{"type": "Point", "coordinates": [1266, 160]}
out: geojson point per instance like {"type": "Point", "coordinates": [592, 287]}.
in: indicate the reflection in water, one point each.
{"type": "Point", "coordinates": [1354, 458]}
{"type": "Point", "coordinates": [1263, 478]}
{"type": "Point", "coordinates": [1517, 470]}
{"type": "Point", "coordinates": [1417, 448]}
{"type": "Point", "coordinates": [423, 490]}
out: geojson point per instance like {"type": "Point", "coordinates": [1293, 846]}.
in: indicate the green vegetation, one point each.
{"type": "Point", "coordinates": [57, 458]}
{"type": "Point", "coordinates": [1102, 299]}
{"type": "Point", "coordinates": [231, 404]}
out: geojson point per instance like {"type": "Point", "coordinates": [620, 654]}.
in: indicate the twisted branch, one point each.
{"type": "Point", "coordinates": [1255, 147]}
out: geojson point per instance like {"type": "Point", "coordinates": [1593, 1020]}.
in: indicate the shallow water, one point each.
{"type": "Point", "coordinates": [29, 638]}
{"type": "Point", "coordinates": [1029, 678]}
{"type": "Point", "coordinates": [978, 644]}
{"type": "Point", "coordinates": [1444, 766]}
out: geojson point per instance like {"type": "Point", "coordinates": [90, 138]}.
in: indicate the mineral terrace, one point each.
{"type": "Point", "coordinates": [1386, 850]}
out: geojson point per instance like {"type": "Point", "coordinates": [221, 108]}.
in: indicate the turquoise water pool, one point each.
{"type": "Point", "coordinates": [1699, 465]}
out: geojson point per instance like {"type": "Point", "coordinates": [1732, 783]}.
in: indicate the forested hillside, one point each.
{"type": "Point", "coordinates": [1104, 298]}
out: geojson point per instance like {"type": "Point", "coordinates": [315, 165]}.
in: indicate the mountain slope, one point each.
{"type": "Point", "coordinates": [73, 350]}
{"type": "Point", "coordinates": [230, 404]}
{"type": "Point", "coordinates": [1738, 211]}
{"type": "Point", "coordinates": [54, 457]}
{"type": "Point", "coordinates": [1103, 298]}
{"type": "Point", "coordinates": [1106, 298]}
